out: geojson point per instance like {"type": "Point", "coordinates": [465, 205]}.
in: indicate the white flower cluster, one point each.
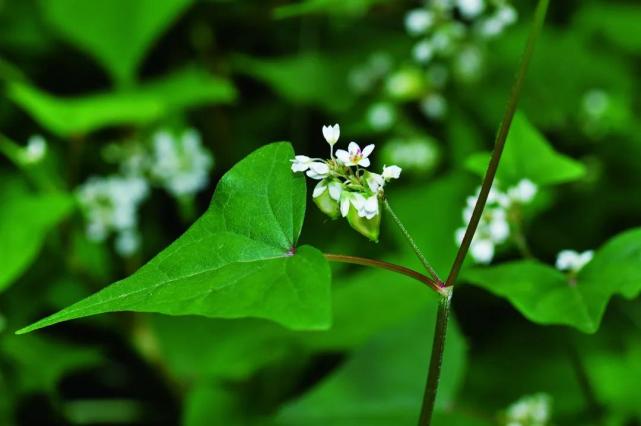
{"type": "Point", "coordinates": [176, 162]}
{"type": "Point", "coordinates": [530, 410]}
{"type": "Point", "coordinates": [345, 187]}
{"type": "Point", "coordinates": [494, 226]}
{"type": "Point", "coordinates": [180, 165]}
{"type": "Point", "coordinates": [449, 35]}
{"type": "Point", "coordinates": [572, 261]}
{"type": "Point", "coordinates": [110, 205]}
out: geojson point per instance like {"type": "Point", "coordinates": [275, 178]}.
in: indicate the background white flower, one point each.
{"type": "Point", "coordinates": [570, 260]}
{"type": "Point", "coordinates": [180, 164]}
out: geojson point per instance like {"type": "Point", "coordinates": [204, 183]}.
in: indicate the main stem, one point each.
{"type": "Point", "coordinates": [440, 331]}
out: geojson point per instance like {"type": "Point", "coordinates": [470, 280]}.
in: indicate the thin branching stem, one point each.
{"type": "Point", "coordinates": [440, 331]}
{"type": "Point", "coordinates": [355, 260]}
{"type": "Point", "coordinates": [419, 253]}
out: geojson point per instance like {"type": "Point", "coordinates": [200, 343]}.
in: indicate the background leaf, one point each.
{"type": "Point", "coordinates": [117, 33]}
{"type": "Point", "coordinates": [527, 154]}
{"type": "Point", "coordinates": [365, 391]}
{"type": "Point", "coordinates": [188, 88]}
{"type": "Point", "coordinates": [25, 220]}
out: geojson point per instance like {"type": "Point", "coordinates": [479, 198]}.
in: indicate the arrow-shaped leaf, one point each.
{"type": "Point", "coordinates": [546, 296]}
{"type": "Point", "coordinates": [238, 260]}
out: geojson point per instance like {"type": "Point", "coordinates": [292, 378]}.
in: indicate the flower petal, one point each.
{"type": "Point", "coordinates": [353, 148]}
{"type": "Point", "coordinates": [368, 150]}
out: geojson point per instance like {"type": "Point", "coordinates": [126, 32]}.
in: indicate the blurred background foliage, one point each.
{"type": "Point", "coordinates": [98, 95]}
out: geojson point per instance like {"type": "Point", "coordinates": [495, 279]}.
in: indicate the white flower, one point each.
{"type": "Point", "coordinates": [570, 260]}
{"type": "Point", "coordinates": [300, 163]}
{"type": "Point", "coordinates": [331, 133]}
{"type": "Point", "coordinates": [354, 156]}
{"type": "Point", "coordinates": [35, 150]}
{"type": "Point", "coordinates": [335, 189]}
{"type": "Point", "coordinates": [418, 21]}
{"type": "Point", "coordinates": [531, 410]}
{"type": "Point", "coordinates": [318, 170]}
{"type": "Point", "coordinates": [423, 51]}
{"type": "Point", "coordinates": [381, 115]}
{"type": "Point", "coordinates": [471, 8]}
{"type": "Point", "coordinates": [375, 182]}
{"type": "Point", "coordinates": [181, 165]}
{"type": "Point", "coordinates": [366, 207]}
{"type": "Point", "coordinates": [127, 242]}
{"type": "Point", "coordinates": [482, 250]}
{"type": "Point", "coordinates": [319, 189]}
{"type": "Point", "coordinates": [498, 227]}
{"type": "Point", "coordinates": [391, 172]}
{"type": "Point", "coordinates": [434, 106]}
{"type": "Point", "coordinates": [110, 204]}
{"type": "Point", "coordinates": [507, 14]}
{"type": "Point", "coordinates": [347, 199]}
{"type": "Point", "coordinates": [523, 192]}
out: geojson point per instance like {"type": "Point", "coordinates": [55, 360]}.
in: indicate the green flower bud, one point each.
{"type": "Point", "coordinates": [369, 228]}
{"type": "Point", "coordinates": [327, 205]}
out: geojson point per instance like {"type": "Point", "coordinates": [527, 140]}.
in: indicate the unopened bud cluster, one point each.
{"type": "Point", "coordinates": [346, 188]}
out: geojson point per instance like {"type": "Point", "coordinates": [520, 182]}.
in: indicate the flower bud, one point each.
{"type": "Point", "coordinates": [369, 228]}
{"type": "Point", "coordinates": [327, 205]}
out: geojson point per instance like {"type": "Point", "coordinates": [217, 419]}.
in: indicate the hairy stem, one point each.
{"type": "Point", "coordinates": [440, 331]}
{"type": "Point", "coordinates": [412, 243]}
{"type": "Point", "coordinates": [355, 260]}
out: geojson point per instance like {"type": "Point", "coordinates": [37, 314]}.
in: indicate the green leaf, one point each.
{"type": "Point", "coordinates": [149, 102]}
{"type": "Point", "coordinates": [25, 219]}
{"type": "Point", "coordinates": [618, 23]}
{"type": "Point", "coordinates": [304, 79]}
{"type": "Point", "coordinates": [236, 260]}
{"type": "Point", "coordinates": [117, 33]}
{"type": "Point", "coordinates": [546, 296]}
{"type": "Point", "coordinates": [382, 383]}
{"type": "Point", "coordinates": [333, 7]}
{"type": "Point", "coordinates": [527, 154]}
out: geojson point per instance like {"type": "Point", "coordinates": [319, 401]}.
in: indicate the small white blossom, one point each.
{"type": "Point", "coordinates": [531, 410]}
{"type": "Point", "coordinates": [318, 170]}
{"type": "Point", "coordinates": [301, 163]}
{"type": "Point", "coordinates": [423, 51]}
{"type": "Point", "coordinates": [35, 150]}
{"type": "Point", "coordinates": [354, 156]}
{"type": "Point", "coordinates": [434, 106]}
{"type": "Point", "coordinates": [418, 21]}
{"type": "Point", "coordinates": [319, 189]}
{"type": "Point", "coordinates": [375, 182]}
{"type": "Point", "coordinates": [127, 242]}
{"type": "Point", "coordinates": [524, 191]}
{"type": "Point", "coordinates": [471, 8]}
{"type": "Point", "coordinates": [110, 204]}
{"type": "Point", "coordinates": [391, 172]}
{"type": "Point", "coordinates": [482, 250]}
{"type": "Point", "coordinates": [181, 165]}
{"type": "Point", "coordinates": [366, 207]}
{"type": "Point", "coordinates": [381, 115]}
{"type": "Point", "coordinates": [570, 260]}
{"type": "Point", "coordinates": [331, 134]}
